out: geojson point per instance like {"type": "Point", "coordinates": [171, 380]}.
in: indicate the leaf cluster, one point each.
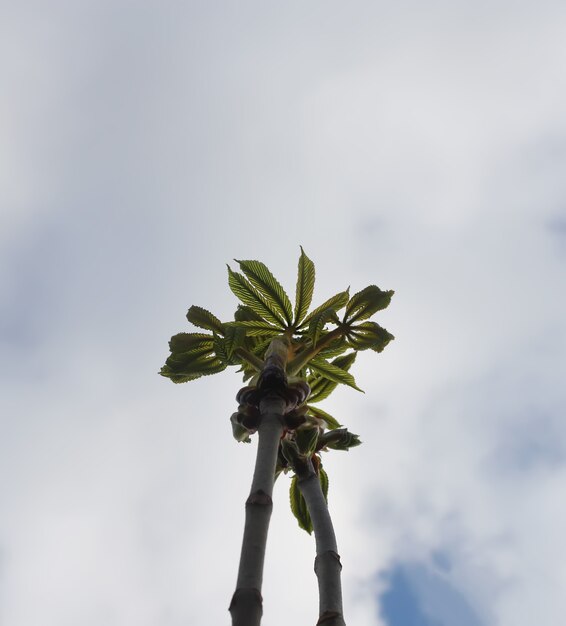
{"type": "Point", "coordinates": [322, 344]}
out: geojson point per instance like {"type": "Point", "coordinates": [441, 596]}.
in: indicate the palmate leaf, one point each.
{"type": "Point", "coordinates": [331, 422]}
{"type": "Point", "coordinates": [345, 361]}
{"type": "Point", "coordinates": [246, 292]}
{"type": "Point", "coordinates": [318, 322]}
{"type": "Point", "coordinates": [205, 319]}
{"type": "Point", "coordinates": [332, 372]}
{"type": "Point", "coordinates": [247, 314]}
{"type": "Point", "coordinates": [336, 348]}
{"type": "Point", "coordinates": [184, 342]}
{"type": "Point", "coordinates": [234, 338]}
{"type": "Point", "coordinates": [177, 378]}
{"type": "Point", "coordinates": [369, 335]}
{"type": "Point", "coordinates": [306, 439]}
{"type": "Point", "coordinates": [190, 363]}
{"type": "Point", "coordinates": [255, 328]}
{"type": "Point", "coordinates": [268, 286]}
{"type": "Point", "coordinates": [299, 506]}
{"type": "Point", "coordinates": [182, 367]}
{"type": "Point", "coordinates": [337, 302]}
{"type": "Point", "coordinates": [262, 345]}
{"type": "Point", "coordinates": [305, 287]}
{"type": "Point", "coordinates": [366, 302]}
{"type": "Point", "coordinates": [321, 388]}
{"type": "Point", "coordinates": [339, 439]}
{"type": "Point", "coordinates": [224, 347]}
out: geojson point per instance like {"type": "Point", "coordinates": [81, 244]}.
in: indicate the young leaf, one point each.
{"type": "Point", "coordinates": [177, 378]}
{"type": "Point", "coordinates": [268, 286]}
{"type": "Point", "coordinates": [183, 367]}
{"type": "Point", "coordinates": [299, 506]}
{"type": "Point", "coordinates": [220, 349]}
{"type": "Point", "coordinates": [183, 342]}
{"type": "Point", "coordinates": [331, 422]}
{"type": "Point", "coordinates": [205, 319]}
{"type": "Point", "coordinates": [234, 338]}
{"type": "Point", "coordinates": [332, 372]}
{"type": "Point", "coordinates": [340, 439]}
{"type": "Point", "coordinates": [243, 290]}
{"type": "Point", "coordinates": [345, 361]}
{"type": "Point", "coordinates": [323, 477]}
{"type": "Point", "coordinates": [255, 328]}
{"type": "Point", "coordinates": [290, 452]}
{"type": "Point", "coordinates": [305, 287]}
{"type": "Point", "coordinates": [306, 439]}
{"type": "Point", "coordinates": [261, 347]}
{"type": "Point", "coordinates": [321, 388]}
{"type": "Point", "coordinates": [185, 363]}
{"type": "Point", "coordinates": [369, 335]}
{"type": "Point", "coordinates": [337, 302]}
{"type": "Point", "coordinates": [247, 314]}
{"type": "Point", "coordinates": [336, 348]}
{"type": "Point", "coordinates": [318, 322]}
{"type": "Point", "coordinates": [366, 302]}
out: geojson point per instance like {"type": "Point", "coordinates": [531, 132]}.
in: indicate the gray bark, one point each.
{"type": "Point", "coordinates": [246, 605]}
{"type": "Point", "coordinates": [327, 564]}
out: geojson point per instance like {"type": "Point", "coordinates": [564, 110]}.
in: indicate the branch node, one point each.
{"type": "Point", "coordinates": [259, 497]}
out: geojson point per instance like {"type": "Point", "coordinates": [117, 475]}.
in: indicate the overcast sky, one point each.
{"type": "Point", "coordinates": [419, 146]}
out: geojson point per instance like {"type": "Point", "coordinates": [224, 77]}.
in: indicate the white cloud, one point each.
{"type": "Point", "coordinates": [144, 146]}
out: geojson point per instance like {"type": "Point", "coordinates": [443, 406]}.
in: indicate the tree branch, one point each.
{"type": "Point", "coordinates": [327, 564]}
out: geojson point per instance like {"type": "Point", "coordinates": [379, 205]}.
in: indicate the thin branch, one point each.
{"type": "Point", "coordinates": [327, 564]}
{"type": "Point", "coordinates": [246, 605]}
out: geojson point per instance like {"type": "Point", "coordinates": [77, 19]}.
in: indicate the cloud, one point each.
{"type": "Point", "coordinates": [419, 148]}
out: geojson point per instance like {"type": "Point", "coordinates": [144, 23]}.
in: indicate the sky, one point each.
{"type": "Point", "coordinates": [417, 146]}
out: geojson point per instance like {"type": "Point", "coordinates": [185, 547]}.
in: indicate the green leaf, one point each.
{"type": "Point", "coordinates": [299, 506]}
{"type": "Point", "coordinates": [177, 378]}
{"type": "Point", "coordinates": [332, 372]}
{"type": "Point", "coordinates": [318, 322]}
{"type": "Point", "coordinates": [234, 338]}
{"type": "Point", "coordinates": [190, 365]}
{"type": "Point", "coordinates": [255, 328]}
{"type": "Point", "coordinates": [224, 347]}
{"type": "Point", "coordinates": [337, 302]}
{"type": "Point", "coordinates": [336, 348]}
{"type": "Point", "coordinates": [331, 422]}
{"type": "Point", "coordinates": [204, 319]}
{"type": "Point", "coordinates": [183, 367]}
{"type": "Point", "coordinates": [184, 342]}
{"type": "Point", "coordinates": [306, 439]}
{"type": "Point", "coordinates": [340, 439]}
{"type": "Point", "coordinates": [323, 477]}
{"type": "Point", "coordinates": [268, 286]}
{"type": "Point", "coordinates": [243, 290]}
{"type": "Point", "coordinates": [345, 361]}
{"type": "Point", "coordinates": [220, 349]}
{"type": "Point", "coordinates": [290, 452]}
{"type": "Point", "coordinates": [305, 287]}
{"type": "Point", "coordinates": [321, 388]}
{"type": "Point", "coordinates": [369, 335]}
{"type": "Point", "coordinates": [247, 314]}
{"type": "Point", "coordinates": [261, 348]}
{"type": "Point", "coordinates": [366, 302]}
